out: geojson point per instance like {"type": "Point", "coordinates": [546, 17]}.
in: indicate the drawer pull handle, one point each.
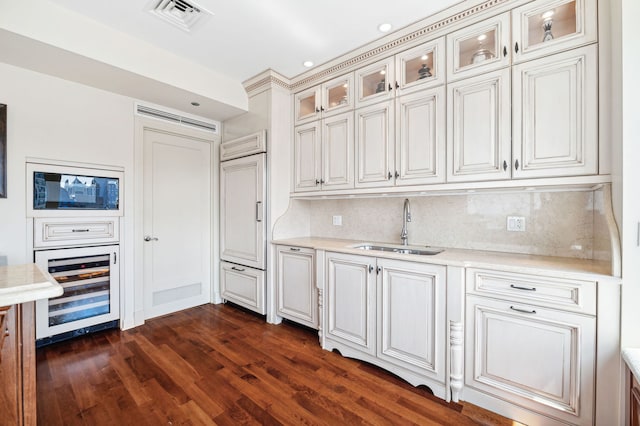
{"type": "Point", "coordinates": [517, 287]}
{"type": "Point", "coordinates": [80, 230]}
{"type": "Point", "coordinates": [237, 269]}
{"type": "Point", "coordinates": [524, 311]}
{"type": "Point", "coordinates": [294, 249]}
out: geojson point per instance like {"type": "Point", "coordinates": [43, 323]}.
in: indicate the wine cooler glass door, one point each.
{"type": "Point", "coordinates": [90, 279]}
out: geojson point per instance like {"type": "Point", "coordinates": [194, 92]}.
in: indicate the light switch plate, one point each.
{"type": "Point", "coordinates": [337, 220]}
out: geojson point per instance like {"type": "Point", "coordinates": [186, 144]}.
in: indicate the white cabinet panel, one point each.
{"type": "Point", "coordinates": [374, 146]}
{"type": "Point", "coordinates": [555, 115]}
{"type": "Point", "coordinates": [421, 138]}
{"type": "Point", "coordinates": [243, 286]}
{"type": "Point", "coordinates": [350, 301]}
{"type": "Point", "coordinates": [420, 67]}
{"type": "Point", "coordinates": [538, 358]}
{"type": "Point", "coordinates": [479, 128]}
{"type": "Point", "coordinates": [411, 316]}
{"type": "Point", "coordinates": [337, 152]}
{"type": "Point", "coordinates": [307, 157]}
{"type": "Point", "coordinates": [242, 211]}
{"type": "Point", "coordinates": [297, 297]}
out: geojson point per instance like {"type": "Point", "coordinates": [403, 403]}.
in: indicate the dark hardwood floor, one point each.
{"type": "Point", "coordinates": [218, 364]}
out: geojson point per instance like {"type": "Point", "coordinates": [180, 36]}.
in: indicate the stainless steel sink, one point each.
{"type": "Point", "coordinates": [401, 250]}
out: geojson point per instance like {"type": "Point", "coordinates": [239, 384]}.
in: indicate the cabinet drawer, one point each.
{"type": "Point", "coordinates": [74, 231]}
{"type": "Point", "coordinates": [243, 286]}
{"type": "Point", "coordinates": [566, 294]}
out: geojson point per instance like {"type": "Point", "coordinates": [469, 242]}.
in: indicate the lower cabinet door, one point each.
{"type": "Point", "coordinates": [635, 403]}
{"type": "Point", "coordinates": [350, 301]}
{"type": "Point", "coordinates": [243, 285]}
{"type": "Point", "coordinates": [537, 358]}
{"type": "Point", "coordinates": [297, 296]}
{"type": "Point", "coordinates": [411, 316]}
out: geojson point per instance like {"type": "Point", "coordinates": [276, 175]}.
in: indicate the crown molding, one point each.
{"type": "Point", "coordinates": [264, 81]}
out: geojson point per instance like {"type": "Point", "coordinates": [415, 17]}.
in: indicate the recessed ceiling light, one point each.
{"type": "Point", "coordinates": [384, 27]}
{"type": "Point", "coordinates": [307, 64]}
{"type": "Point", "coordinates": [196, 104]}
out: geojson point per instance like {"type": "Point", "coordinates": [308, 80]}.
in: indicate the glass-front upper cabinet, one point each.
{"type": "Point", "coordinates": [544, 27]}
{"type": "Point", "coordinates": [420, 67]}
{"type": "Point", "coordinates": [307, 105]}
{"type": "Point", "coordinates": [478, 48]}
{"type": "Point", "coordinates": [375, 83]}
{"type": "Point", "coordinates": [331, 97]}
{"type": "Point", "coordinates": [337, 95]}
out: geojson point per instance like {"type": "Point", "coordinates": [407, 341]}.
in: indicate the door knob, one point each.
{"type": "Point", "coordinates": [147, 238]}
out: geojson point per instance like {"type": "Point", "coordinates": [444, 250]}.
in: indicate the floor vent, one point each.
{"type": "Point", "coordinates": [175, 118]}
{"type": "Point", "coordinates": [179, 13]}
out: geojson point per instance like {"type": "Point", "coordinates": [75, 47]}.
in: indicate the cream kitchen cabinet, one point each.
{"type": "Point", "coordinates": [243, 286]}
{"type": "Point", "coordinates": [296, 292]}
{"type": "Point", "coordinates": [330, 98]}
{"type": "Point", "coordinates": [531, 340]}
{"type": "Point", "coordinates": [555, 115]}
{"type": "Point", "coordinates": [323, 154]}
{"type": "Point", "coordinates": [414, 69]}
{"type": "Point", "coordinates": [389, 313]}
{"type": "Point", "coordinates": [553, 107]}
{"type": "Point", "coordinates": [544, 27]}
{"type": "Point", "coordinates": [402, 142]}
{"type": "Point", "coordinates": [479, 48]}
{"type": "Point", "coordinates": [479, 127]}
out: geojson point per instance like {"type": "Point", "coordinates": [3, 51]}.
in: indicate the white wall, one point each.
{"type": "Point", "coordinates": [630, 173]}
{"type": "Point", "coordinates": [56, 119]}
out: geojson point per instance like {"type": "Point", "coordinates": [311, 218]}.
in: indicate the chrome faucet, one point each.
{"type": "Point", "coordinates": [406, 217]}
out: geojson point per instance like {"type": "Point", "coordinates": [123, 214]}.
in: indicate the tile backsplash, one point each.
{"type": "Point", "coordinates": [567, 224]}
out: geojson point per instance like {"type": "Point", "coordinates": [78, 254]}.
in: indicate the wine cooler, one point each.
{"type": "Point", "coordinates": [90, 279]}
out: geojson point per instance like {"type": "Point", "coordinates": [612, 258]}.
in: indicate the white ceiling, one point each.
{"type": "Point", "coordinates": [246, 37]}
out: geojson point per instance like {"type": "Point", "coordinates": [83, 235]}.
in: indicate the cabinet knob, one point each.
{"type": "Point", "coordinates": [397, 85]}
{"type": "Point", "coordinates": [321, 108]}
{"type": "Point", "coordinates": [6, 331]}
{"type": "Point", "coordinates": [317, 182]}
{"type": "Point", "coordinates": [370, 269]}
{"type": "Point", "coordinates": [390, 88]}
{"type": "Point", "coordinates": [504, 165]}
{"type": "Point", "coordinates": [378, 270]}
{"type": "Point", "coordinates": [397, 175]}
{"type": "Point", "coordinates": [389, 176]}
{"type": "Point", "coordinates": [504, 51]}
{"type": "Point", "coordinates": [517, 48]}
{"type": "Point", "coordinates": [317, 109]}
{"type": "Point", "coordinates": [322, 181]}
{"type": "Point", "coordinates": [517, 164]}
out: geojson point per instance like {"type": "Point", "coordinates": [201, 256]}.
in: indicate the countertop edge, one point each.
{"type": "Point", "coordinates": [631, 357]}
{"type": "Point", "coordinates": [26, 283]}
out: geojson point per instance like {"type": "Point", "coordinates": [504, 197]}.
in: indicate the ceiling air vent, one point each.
{"type": "Point", "coordinates": [168, 116]}
{"type": "Point", "coordinates": [182, 14]}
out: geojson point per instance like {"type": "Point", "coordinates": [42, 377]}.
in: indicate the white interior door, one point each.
{"type": "Point", "coordinates": [177, 222]}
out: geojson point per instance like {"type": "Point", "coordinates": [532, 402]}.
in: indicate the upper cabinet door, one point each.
{"type": "Point", "coordinates": [420, 67]}
{"type": "Point", "coordinates": [374, 145]}
{"type": "Point", "coordinates": [555, 115]}
{"type": "Point", "coordinates": [544, 27]}
{"type": "Point", "coordinates": [479, 48]}
{"type": "Point", "coordinates": [479, 128]}
{"type": "Point", "coordinates": [337, 95]}
{"type": "Point", "coordinates": [306, 157]}
{"type": "Point", "coordinates": [337, 152]}
{"type": "Point", "coordinates": [307, 105]}
{"type": "Point", "coordinates": [420, 137]}
{"type": "Point", "coordinates": [375, 83]}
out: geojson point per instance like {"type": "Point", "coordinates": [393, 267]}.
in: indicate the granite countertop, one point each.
{"type": "Point", "coordinates": [26, 283]}
{"type": "Point", "coordinates": [632, 357]}
{"type": "Point", "coordinates": [525, 263]}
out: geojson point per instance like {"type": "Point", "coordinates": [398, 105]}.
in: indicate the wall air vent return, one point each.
{"type": "Point", "coordinates": [175, 118]}
{"type": "Point", "coordinates": [180, 13]}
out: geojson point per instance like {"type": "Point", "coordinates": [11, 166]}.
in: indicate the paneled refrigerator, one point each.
{"type": "Point", "coordinates": [242, 221]}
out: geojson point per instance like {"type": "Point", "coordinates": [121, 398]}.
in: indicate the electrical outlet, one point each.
{"type": "Point", "coordinates": [515, 223]}
{"type": "Point", "coordinates": [337, 220]}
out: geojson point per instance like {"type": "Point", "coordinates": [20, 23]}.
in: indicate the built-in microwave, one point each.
{"type": "Point", "coordinates": [55, 190]}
